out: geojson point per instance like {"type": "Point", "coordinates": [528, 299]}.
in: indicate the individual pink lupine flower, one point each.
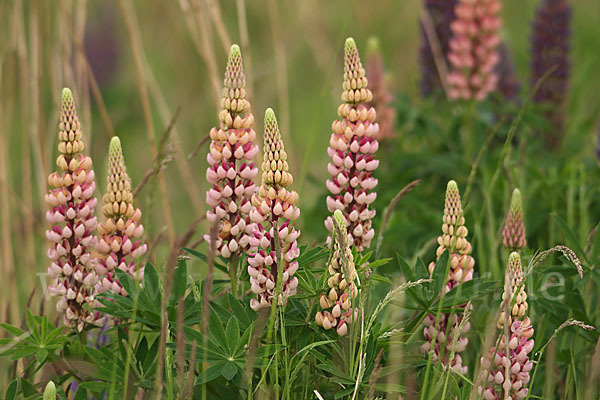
{"type": "Point", "coordinates": [473, 49]}
{"type": "Point", "coordinates": [351, 148]}
{"type": "Point", "coordinates": [453, 239]}
{"type": "Point", "coordinates": [382, 95]}
{"type": "Point", "coordinates": [120, 236]}
{"type": "Point", "coordinates": [337, 311]}
{"type": "Point", "coordinates": [274, 240]}
{"type": "Point", "coordinates": [231, 170]}
{"type": "Point", "coordinates": [512, 360]}
{"type": "Point", "coordinates": [514, 228]}
{"type": "Point", "coordinates": [71, 216]}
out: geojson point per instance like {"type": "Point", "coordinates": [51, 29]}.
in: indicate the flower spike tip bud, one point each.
{"type": "Point", "coordinates": [120, 240]}
{"type": "Point", "coordinates": [274, 245]}
{"type": "Point", "coordinates": [453, 239]}
{"type": "Point", "coordinates": [231, 170]}
{"type": "Point", "coordinates": [514, 227]}
{"type": "Point", "coordinates": [72, 222]}
{"type": "Point", "coordinates": [514, 358]}
{"type": "Point", "coordinates": [352, 147]}
{"type": "Point", "coordinates": [336, 305]}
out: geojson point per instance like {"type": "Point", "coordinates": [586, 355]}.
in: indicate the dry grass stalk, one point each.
{"type": "Point", "coordinates": [281, 74]}
{"type": "Point", "coordinates": [5, 231]}
{"type": "Point", "coordinates": [92, 80]}
{"type": "Point", "coordinates": [390, 210]}
{"type": "Point", "coordinates": [128, 16]}
{"type": "Point", "coordinates": [180, 346]}
{"type": "Point", "coordinates": [436, 48]}
{"type": "Point", "coordinates": [165, 115]}
{"type": "Point", "coordinates": [191, 372]}
{"type": "Point", "coordinates": [217, 19]}
{"type": "Point", "coordinates": [201, 31]}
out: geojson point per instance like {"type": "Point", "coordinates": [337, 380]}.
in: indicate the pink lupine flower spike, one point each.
{"type": "Point", "coordinates": [274, 240]}
{"type": "Point", "coordinates": [352, 147]}
{"type": "Point", "coordinates": [120, 236]}
{"type": "Point", "coordinates": [231, 169]}
{"type": "Point", "coordinates": [73, 224]}
{"type": "Point", "coordinates": [453, 239]}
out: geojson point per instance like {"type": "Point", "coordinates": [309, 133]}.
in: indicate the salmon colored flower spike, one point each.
{"type": "Point", "coordinates": [337, 311]}
{"type": "Point", "coordinates": [71, 204]}
{"type": "Point", "coordinates": [352, 147]}
{"type": "Point", "coordinates": [505, 369]}
{"type": "Point", "coordinates": [120, 236]}
{"type": "Point", "coordinates": [514, 228]}
{"type": "Point", "coordinates": [473, 51]}
{"type": "Point", "coordinates": [454, 240]}
{"type": "Point", "coordinates": [382, 95]}
{"type": "Point", "coordinates": [274, 240]}
{"type": "Point", "coordinates": [231, 169]}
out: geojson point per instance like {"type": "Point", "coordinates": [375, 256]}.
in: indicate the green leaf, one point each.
{"type": "Point", "coordinates": [232, 331]}
{"type": "Point", "coordinates": [13, 330]}
{"type": "Point", "coordinates": [41, 355]}
{"type": "Point", "coordinates": [179, 281]}
{"type": "Point", "coordinates": [571, 237]}
{"type": "Point", "coordinates": [216, 328]}
{"type": "Point", "coordinates": [126, 282]}
{"type": "Point", "coordinates": [469, 290]}
{"type": "Point", "coordinates": [32, 325]}
{"type": "Point", "coordinates": [11, 391]}
{"type": "Point", "coordinates": [210, 374]}
{"type": "Point", "coordinates": [82, 392]}
{"type": "Point", "coordinates": [440, 274]}
{"type": "Point", "coordinates": [151, 284]}
{"type": "Point", "coordinates": [229, 370]}
{"type": "Point", "coordinates": [142, 350]}
{"type": "Point", "coordinates": [239, 311]}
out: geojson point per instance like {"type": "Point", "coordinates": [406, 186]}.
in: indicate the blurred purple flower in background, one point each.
{"type": "Point", "coordinates": [550, 52]}
{"type": "Point", "coordinates": [441, 13]}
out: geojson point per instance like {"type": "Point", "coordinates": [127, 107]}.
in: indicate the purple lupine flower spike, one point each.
{"type": "Point", "coordinates": [508, 84]}
{"type": "Point", "coordinates": [497, 363]}
{"type": "Point", "coordinates": [73, 224]}
{"type": "Point", "coordinates": [232, 170]}
{"type": "Point", "coordinates": [550, 52]}
{"type": "Point", "coordinates": [382, 95]}
{"type": "Point", "coordinates": [453, 239]}
{"type": "Point", "coordinates": [441, 13]}
{"type": "Point", "coordinates": [473, 49]}
{"type": "Point", "coordinates": [273, 214]}
{"type": "Point", "coordinates": [352, 148]}
{"type": "Point", "coordinates": [337, 311]}
{"type": "Point", "coordinates": [514, 228]}
{"type": "Point", "coordinates": [120, 236]}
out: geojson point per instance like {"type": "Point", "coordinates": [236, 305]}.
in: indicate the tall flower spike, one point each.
{"type": "Point", "coordinates": [382, 95]}
{"type": "Point", "coordinates": [231, 170]}
{"type": "Point", "coordinates": [441, 13]}
{"type": "Point", "coordinates": [550, 52]}
{"type": "Point", "coordinates": [473, 49]}
{"type": "Point", "coordinates": [120, 237]}
{"type": "Point", "coordinates": [516, 361]}
{"type": "Point", "coordinates": [508, 83]}
{"type": "Point", "coordinates": [71, 204]}
{"type": "Point", "coordinates": [514, 227]}
{"type": "Point", "coordinates": [351, 147]}
{"type": "Point", "coordinates": [453, 239]}
{"type": "Point", "coordinates": [337, 311]}
{"type": "Point", "coordinates": [274, 240]}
